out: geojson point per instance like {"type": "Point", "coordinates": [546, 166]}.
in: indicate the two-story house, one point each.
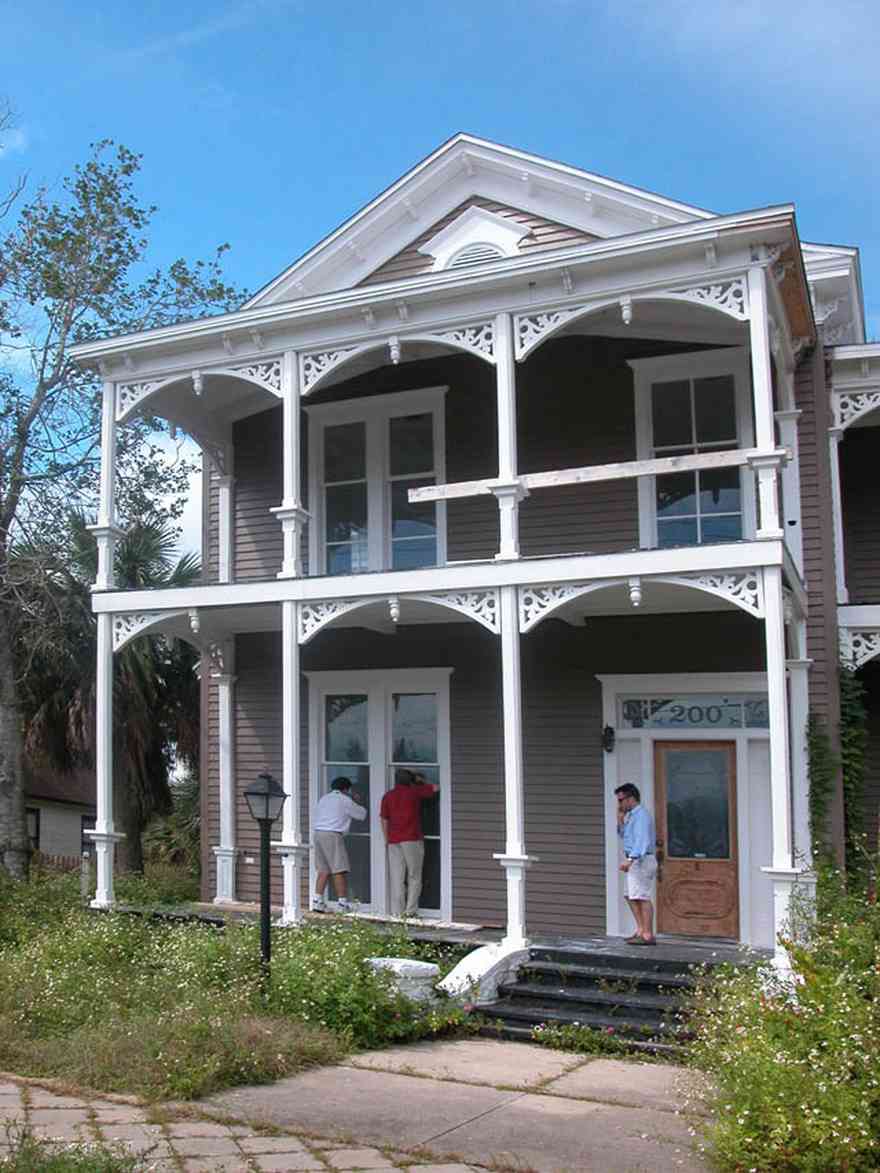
{"type": "Point", "coordinates": [521, 475]}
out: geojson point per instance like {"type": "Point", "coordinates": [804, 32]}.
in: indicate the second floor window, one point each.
{"type": "Point", "coordinates": [689, 405]}
{"type": "Point", "coordinates": [367, 455]}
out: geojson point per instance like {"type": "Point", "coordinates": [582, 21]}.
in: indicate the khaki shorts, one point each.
{"type": "Point", "coordinates": [330, 853]}
{"type": "Point", "coordinates": [640, 878]}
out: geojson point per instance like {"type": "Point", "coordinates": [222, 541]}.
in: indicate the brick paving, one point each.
{"type": "Point", "coordinates": [170, 1145]}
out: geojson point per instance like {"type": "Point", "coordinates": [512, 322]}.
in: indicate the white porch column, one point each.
{"type": "Point", "coordinates": [835, 435]}
{"type": "Point", "coordinates": [222, 661]}
{"type": "Point", "coordinates": [508, 490]}
{"type": "Point", "coordinates": [104, 835]}
{"type": "Point", "coordinates": [105, 530]}
{"type": "Point", "coordinates": [762, 391]}
{"type": "Point", "coordinates": [513, 859]}
{"type": "Point", "coordinates": [225, 486]}
{"type": "Point", "coordinates": [781, 870]}
{"type": "Point", "coordinates": [791, 486]}
{"type": "Point", "coordinates": [293, 851]}
{"type": "Point", "coordinates": [798, 688]}
{"type": "Point", "coordinates": [290, 512]}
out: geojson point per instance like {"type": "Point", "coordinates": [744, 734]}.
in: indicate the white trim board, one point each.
{"type": "Point", "coordinates": [752, 791]}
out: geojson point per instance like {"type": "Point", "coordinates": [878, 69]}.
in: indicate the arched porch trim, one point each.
{"type": "Point", "coordinates": [858, 646]}
{"type": "Point", "coordinates": [263, 373]}
{"type": "Point", "coordinates": [850, 406]}
{"type": "Point", "coordinates": [477, 339]}
{"type": "Point", "coordinates": [129, 625]}
{"type": "Point", "coordinates": [742, 588]}
{"type": "Point", "coordinates": [481, 605]}
{"type": "Point", "coordinates": [729, 297]}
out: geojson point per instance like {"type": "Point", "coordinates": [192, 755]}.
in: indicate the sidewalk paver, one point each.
{"type": "Point", "coordinates": [470, 1104]}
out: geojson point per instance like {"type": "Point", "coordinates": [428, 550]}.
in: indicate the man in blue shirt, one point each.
{"type": "Point", "coordinates": [635, 826]}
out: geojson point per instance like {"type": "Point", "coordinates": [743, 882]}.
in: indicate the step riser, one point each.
{"type": "Point", "coordinates": [644, 961]}
{"type": "Point", "coordinates": [650, 1017]}
{"type": "Point", "coordinates": [587, 983]}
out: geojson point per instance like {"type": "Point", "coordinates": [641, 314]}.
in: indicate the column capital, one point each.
{"type": "Point", "coordinates": [787, 414]}
{"type": "Point", "coordinates": [509, 490]}
{"type": "Point", "coordinates": [290, 511]}
{"type": "Point", "coordinates": [772, 460]}
{"type": "Point", "coordinates": [106, 529]}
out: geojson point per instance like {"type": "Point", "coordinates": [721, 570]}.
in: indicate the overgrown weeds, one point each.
{"type": "Point", "coordinates": [30, 1154]}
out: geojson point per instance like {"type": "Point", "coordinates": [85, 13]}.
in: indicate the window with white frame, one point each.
{"type": "Point", "coordinates": [688, 405]}
{"type": "Point", "coordinates": [365, 456]}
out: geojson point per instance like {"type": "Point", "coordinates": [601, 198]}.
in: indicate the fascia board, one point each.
{"type": "Point", "coordinates": [469, 576]}
{"type": "Point", "coordinates": [490, 155]}
{"type": "Point", "coordinates": [761, 220]}
{"type": "Point", "coordinates": [855, 351]}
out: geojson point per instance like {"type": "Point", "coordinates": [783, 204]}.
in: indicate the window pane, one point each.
{"type": "Point", "coordinates": [719, 491]}
{"type": "Point", "coordinates": [671, 405]}
{"type": "Point", "coordinates": [676, 494]}
{"type": "Point", "coordinates": [411, 520]}
{"type": "Point", "coordinates": [345, 452]}
{"type": "Point", "coordinates": [697, 804]}
{"type": "Point", "coordinates": [722, 529]}
{"type": "Point", "coordinates": [414, 727]}
{"type": "Point", "coordinates": [346, 725]}
{"type": "Point", "coordinates": [409, 554]}
{"type": "Point", "coordinates": [715, 405]}
{"type": "Point", "coordinates": [680, 532]}
{"type": "Point", "coordinates": [346, 513]}
{"type": "Point", "coordinates": [412, 444]}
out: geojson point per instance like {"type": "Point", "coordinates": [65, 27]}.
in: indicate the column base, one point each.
{"type": "Point", "coordinates": [105, 850]}
{"type": "Point", "coordinates": [515, 867]}
{"type": "Point", "coordinates": [293, 518]}
{"type": "Point", "coordinates": [794, 901]}
{"type": "Point", "coordinates": [226, 860]}
{"type": "Point", "coordinates": [294, 857]}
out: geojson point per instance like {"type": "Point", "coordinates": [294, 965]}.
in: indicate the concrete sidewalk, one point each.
{"type": "Point", "coordinates": [480, 1102]}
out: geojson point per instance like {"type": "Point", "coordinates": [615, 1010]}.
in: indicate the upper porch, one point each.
{"type": "Point", "coordinates": [614, 403]}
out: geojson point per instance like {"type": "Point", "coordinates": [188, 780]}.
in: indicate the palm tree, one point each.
{"type": "Point", "coordinates": [155, 692]}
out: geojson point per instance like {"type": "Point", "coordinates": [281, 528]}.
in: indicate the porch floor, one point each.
{"type": "Point", "coordinates": [687, 950]}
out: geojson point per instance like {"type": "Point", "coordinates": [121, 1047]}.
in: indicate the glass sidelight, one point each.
{"type": "Point", "coordinates": [414, 747]}
{"type": "Point", "coordinates": [346, 755]}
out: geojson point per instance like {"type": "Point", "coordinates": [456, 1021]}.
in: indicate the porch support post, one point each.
{"type": "Point", "coordinates": [513, 859]}
{"type": "Point", "coordinates": [798, 687]}
{"type": "Point", "coordinates": [781, 870]}
{"type": "Point", "coordinates": [225, 489]}
{"type": "Point", "coordinates": [762, 390]}
{"type": "Point", "coordinates": [106, 530]}
{"type": "Point", "coordinates": [225, 853]}
{"type": "Point", "coordinates": [104, 835]}
{"type": "Point", "coordinates": [835, 435]}
{"type": "Point", "coordinates": [508, 490]}
{"type": "Point", "coordinates": [791, 485]}
{"type": "Point", "coordinates": [290, 512]}
{"type": "Point", "coordinates": [294, 853]}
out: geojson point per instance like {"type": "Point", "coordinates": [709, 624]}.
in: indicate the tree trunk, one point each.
{"type": "Point", "coordinates": [14, 846]}
{"type": "Point", "coordinates": [131, 823]}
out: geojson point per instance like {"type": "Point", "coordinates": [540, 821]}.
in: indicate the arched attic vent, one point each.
{"type": "Point", "coordinates": [473, 237]}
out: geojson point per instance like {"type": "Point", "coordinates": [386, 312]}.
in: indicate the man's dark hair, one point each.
{"type": "Point", "coordinates": [404, 778]}
{"type": "Point", "coordinates": [341, 784]}
{"type": "Point", "coordinates": [627, 790]}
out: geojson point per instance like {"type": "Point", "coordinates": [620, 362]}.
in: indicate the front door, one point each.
{"type": "Point", "coordinates": [695, 798]}
{"type": "Point", "coordinates": [366, 733]}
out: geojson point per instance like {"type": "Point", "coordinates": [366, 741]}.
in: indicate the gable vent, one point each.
{"type": "Point", "coordinates": [474, 254]}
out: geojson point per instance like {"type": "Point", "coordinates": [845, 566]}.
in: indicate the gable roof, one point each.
{"type": "Point", "coordinates": [469, 169]}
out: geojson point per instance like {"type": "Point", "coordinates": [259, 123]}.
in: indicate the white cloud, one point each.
{"type": "Point", "coordinates": [235, 18]}
{"type": "Point", "coordinates": [13, 141]}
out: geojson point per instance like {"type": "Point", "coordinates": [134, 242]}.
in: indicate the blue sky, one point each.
{"type": "Point", "coordinates": [265, 123]}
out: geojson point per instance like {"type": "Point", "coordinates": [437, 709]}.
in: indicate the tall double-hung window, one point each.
{"type": "Point", "coordinates": [365, 456]}
{"type": "Point", "coordinates": [689, 405]}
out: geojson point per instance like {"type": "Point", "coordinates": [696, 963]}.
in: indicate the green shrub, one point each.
{"type": "Point", "coordinates": [30, 1154]}
{"type": "Point", "coordinates": [795, 1063]}
{"type": "Point", "coordinates": [162, 882]}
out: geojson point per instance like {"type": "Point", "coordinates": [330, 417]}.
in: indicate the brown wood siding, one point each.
{"type": "Point", "coordinates": [543, 234]}
{"type": "Point", "coordinates": [210, 522]}
{"type": "Point", "coordinates": [859, 452]}
{"type": "Point", "coordinates": [257, 533]}
{"type": "Point", "coordinates": [562, 730]}
{"type": "Point", "coordinates": [811, 397]}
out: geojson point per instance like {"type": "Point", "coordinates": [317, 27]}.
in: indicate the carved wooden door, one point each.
{"type": "Point", "coordinates": [695, 791]}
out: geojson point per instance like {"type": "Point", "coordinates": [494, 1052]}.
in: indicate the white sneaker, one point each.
{"type": "Point", "coordinates": [318, 904]}
{"type": "Point", "coordinates": [344, 905]}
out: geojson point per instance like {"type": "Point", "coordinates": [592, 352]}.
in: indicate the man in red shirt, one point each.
{"type": "Point", "coordinates": [401, 816]}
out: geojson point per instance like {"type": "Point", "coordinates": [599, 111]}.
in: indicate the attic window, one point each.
{"type": "Point", "coordinates": [474, 236]}
{"type": "Point", "coordinates": [473, 254]}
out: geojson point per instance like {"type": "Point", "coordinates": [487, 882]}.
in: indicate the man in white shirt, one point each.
{"type": "Point", "coordinates": [333, 816]}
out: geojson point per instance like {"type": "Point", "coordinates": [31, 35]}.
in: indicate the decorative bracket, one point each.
{"type": "Point", "coordinates": [311, 617]}
{"type": "Point", "coordinates": [478, 338]}
{"type": "Point", "coordinates": [529, 329]}
{"type": "Point", "coordinates": [851, 405]}
{"type": "Point", "coordinates": [482, 606]}
{"type": "Point", "coordinates": [730, 297]}
{"type": "Point", "coordinates": [858, 646]}
{"type": "Point", "coordinates": [314, 366]}
{"type": "Point", "coordinates": [128, 625]}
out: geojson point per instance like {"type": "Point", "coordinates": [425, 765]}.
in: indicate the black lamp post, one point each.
{"type": "Point", "coordinates": [265, 798]}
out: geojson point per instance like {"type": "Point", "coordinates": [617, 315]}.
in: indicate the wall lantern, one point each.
{"type": "Point", "coordinates": [265, 798]}
{"type": "Point", "coordinates": [608, 738]}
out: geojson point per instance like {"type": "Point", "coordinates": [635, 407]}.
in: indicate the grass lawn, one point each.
{"type": "Point", "coordinates": [163, 1010]}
